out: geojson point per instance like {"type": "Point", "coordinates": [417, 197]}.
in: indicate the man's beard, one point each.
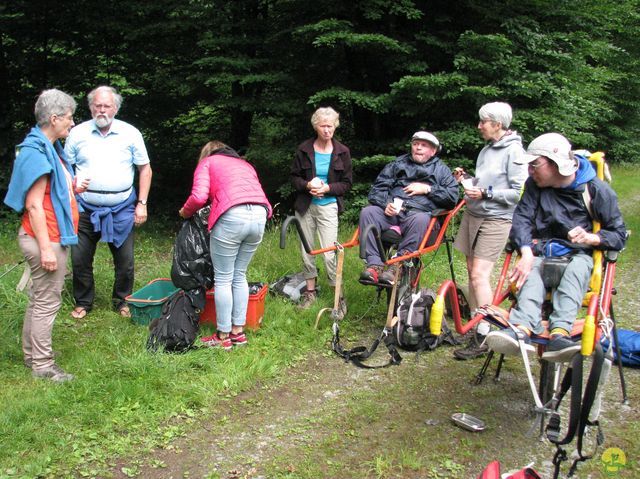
{"type": "Point", "coordinates": [103, 121]}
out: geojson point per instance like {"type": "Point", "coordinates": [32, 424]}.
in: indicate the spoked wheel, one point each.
{"type": "Point", "coordinates": [462, 291]}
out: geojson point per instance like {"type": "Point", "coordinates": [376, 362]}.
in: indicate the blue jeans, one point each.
{"type": "Point", "coordinates": [234, 239]}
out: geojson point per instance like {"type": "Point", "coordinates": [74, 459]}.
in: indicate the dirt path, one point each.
{"type": "Point", "coordinates": [325, 418]}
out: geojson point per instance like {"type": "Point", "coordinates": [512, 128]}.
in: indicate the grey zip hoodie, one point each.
{"type": "Point", "coordinates": [496, 168]}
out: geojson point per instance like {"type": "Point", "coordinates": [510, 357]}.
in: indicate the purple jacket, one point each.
{"type": "Point", "coordinates": [226, 182]}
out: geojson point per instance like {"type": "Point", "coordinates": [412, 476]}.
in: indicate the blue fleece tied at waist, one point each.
{"type": "Point", "coordinates": [113, 222]}
{"type": "Point", "coordinates": [37, 156]}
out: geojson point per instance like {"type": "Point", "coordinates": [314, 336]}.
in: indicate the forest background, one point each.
{"type": "Point", "coordinates": [251, 72]}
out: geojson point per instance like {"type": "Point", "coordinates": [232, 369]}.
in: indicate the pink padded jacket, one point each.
{"type": "Point", "coordinates": [225, 181]}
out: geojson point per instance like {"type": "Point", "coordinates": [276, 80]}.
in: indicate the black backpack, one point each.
{"type": "Point", "coordinates": [177, 328]}
{"type": "Point", "coordinates": [411, 331]}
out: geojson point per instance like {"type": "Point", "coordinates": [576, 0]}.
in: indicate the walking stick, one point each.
{"type": "Point", "coordinates": [336, 300]}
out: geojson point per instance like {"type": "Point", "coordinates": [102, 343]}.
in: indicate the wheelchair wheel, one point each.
{"type": "Point", "coordinates": [546, 386]}
{"type": "Point", "coordinates": [463, 303]}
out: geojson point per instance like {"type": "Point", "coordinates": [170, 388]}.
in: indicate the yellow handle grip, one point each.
{"type": "Point", "coordinates": [435, 319]}
{"type": "Point", "coordinates": [588, 335]}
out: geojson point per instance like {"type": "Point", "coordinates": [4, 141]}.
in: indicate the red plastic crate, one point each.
{"type": "Point", "coordinates": [255, 308]}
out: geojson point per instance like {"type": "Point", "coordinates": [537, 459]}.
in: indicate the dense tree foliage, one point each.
{"type": "Point", "coordinates": [250, 72]}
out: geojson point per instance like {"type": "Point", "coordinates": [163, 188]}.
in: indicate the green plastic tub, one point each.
{"type": "Point", "coordinates": [146, 303]}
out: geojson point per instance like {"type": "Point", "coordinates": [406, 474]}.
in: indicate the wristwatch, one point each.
{"type": "Point", "coordinates": [142, 202]}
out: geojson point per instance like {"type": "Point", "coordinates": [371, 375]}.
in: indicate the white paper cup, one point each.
{"type": "Point", "coordinates": [397, 204]}
{"type": "Point", "coordinates": [467, 183]}
{"type": "Point", "coordinates": [316, 182]}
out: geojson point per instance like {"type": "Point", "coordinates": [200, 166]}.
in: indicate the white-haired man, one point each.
{"type": "Point", "coordinates": [422, 183]}
{"type": "Point", "coordinates": [106, 151]}
{"type": "Point", "coordinates": [552, 219]}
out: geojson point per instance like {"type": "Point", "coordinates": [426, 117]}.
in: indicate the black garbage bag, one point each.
{"type": "Point", "coordinates": [192, 267]}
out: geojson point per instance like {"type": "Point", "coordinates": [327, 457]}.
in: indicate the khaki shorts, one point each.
{"type": "Point", "coordinates": [483, 238]}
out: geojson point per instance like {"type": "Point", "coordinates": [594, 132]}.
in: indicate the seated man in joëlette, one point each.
{"type": "Point", "coordinates": [554, 218]}
{"type": "Point", "coordinates": [403, 197]}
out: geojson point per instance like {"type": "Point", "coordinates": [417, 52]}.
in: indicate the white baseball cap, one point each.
{"type": "Point", "coordinates": [426, 136]}
{"type": "Point", "coordinates": [555, 147]}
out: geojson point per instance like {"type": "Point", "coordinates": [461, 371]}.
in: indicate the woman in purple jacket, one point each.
{"type": "Point", "coordinates": [239, 212]}
{"type": "Point", "coordinates": [321, 175]}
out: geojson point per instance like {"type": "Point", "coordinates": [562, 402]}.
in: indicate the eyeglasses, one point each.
{"type": "Point", "coordinates": [537, 164]}
{"type": "Point", "coordinates": [68, 116]}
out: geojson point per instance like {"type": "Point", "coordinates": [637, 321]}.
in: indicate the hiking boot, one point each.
{"type": "Point", "coordinates": [475, 348]}
{"type": "Point", "coordinates": [53, 372]}
{"type": "Point", "coordinates": [377, 274]}
{"type": "Point", "coordinates": [506, 341]}
{"type": "Point", "coordinates": [215, 341]}
{"type": "Point", "coordinates": [307, 299]}
{"type": "Point", "coordinates": [238, 339]}
{"type": "Point", "coordinates": [560, 349]}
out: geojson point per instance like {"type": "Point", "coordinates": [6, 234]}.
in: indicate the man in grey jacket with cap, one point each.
{"type": "Point", "coordinates": [553, 219]}
{"type": "Point", "coordinates": [403, 197]}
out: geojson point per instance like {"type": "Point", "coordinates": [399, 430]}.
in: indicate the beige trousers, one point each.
{"type": "Point", "coordinates": [323, 222]}
{"type": "Point", "coordinates": [45, 299]}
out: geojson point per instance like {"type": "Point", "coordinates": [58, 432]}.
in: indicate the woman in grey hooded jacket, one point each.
{"type": "Point", "coordinates": [491, 198]}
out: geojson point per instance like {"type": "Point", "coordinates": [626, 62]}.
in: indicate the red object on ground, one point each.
{"type": "Point", "coordinates": [255, 308]}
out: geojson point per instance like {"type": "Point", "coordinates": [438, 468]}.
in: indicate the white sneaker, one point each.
{"type": "Point", "coordinates": [505, 342]}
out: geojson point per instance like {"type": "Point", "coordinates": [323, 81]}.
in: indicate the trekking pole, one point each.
{"type": "Point", "coordinates": [12, 268]}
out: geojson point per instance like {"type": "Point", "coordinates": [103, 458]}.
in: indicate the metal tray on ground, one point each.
{"type": "Point", "coordinates": [468, 422]}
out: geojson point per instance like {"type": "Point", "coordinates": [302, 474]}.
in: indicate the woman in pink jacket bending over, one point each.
{"type": "Point", "coordinates": [239, 212]}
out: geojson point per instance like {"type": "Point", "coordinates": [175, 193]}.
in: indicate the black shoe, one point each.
{"type": "Point", "coordinates": [475, 348]}
{"type": "Point", "coordinates": [560, 349]}
{"type": "Point", "coordinates": [506, 341]}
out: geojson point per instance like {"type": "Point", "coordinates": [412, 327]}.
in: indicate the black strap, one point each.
{"type": "Point", "coordinates": [572, 379]}
{"type": "Point", "coordinates": [360, 354]}
{"type": "Point", "coordinates": [101, 192]}
{"type": "Point", "coordinates": [590, 392]}
{"type": "Point", "coordinates": [579, 411]}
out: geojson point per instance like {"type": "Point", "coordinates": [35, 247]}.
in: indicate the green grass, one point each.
{"type": "Point", "coordinates": [125, 399]}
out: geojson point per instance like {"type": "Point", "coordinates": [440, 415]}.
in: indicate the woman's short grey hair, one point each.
{"type": "Point", "coordinates": [497, 111]}
{"type": "Point", "coordinates": [117, 98]}
{"type": "Point", "coordinates": [53, 102]}
{"type": "Point", "coordinates": [325, 113]}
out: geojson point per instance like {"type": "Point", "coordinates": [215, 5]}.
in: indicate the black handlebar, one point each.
{"type": "Point", "coordinates": [371, 228]}
{"type": "Point", "coordinates": [283, 233]}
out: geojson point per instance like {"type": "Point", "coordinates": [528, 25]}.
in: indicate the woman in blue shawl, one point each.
{"type": "Point", "coordinates": [43, 188]}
